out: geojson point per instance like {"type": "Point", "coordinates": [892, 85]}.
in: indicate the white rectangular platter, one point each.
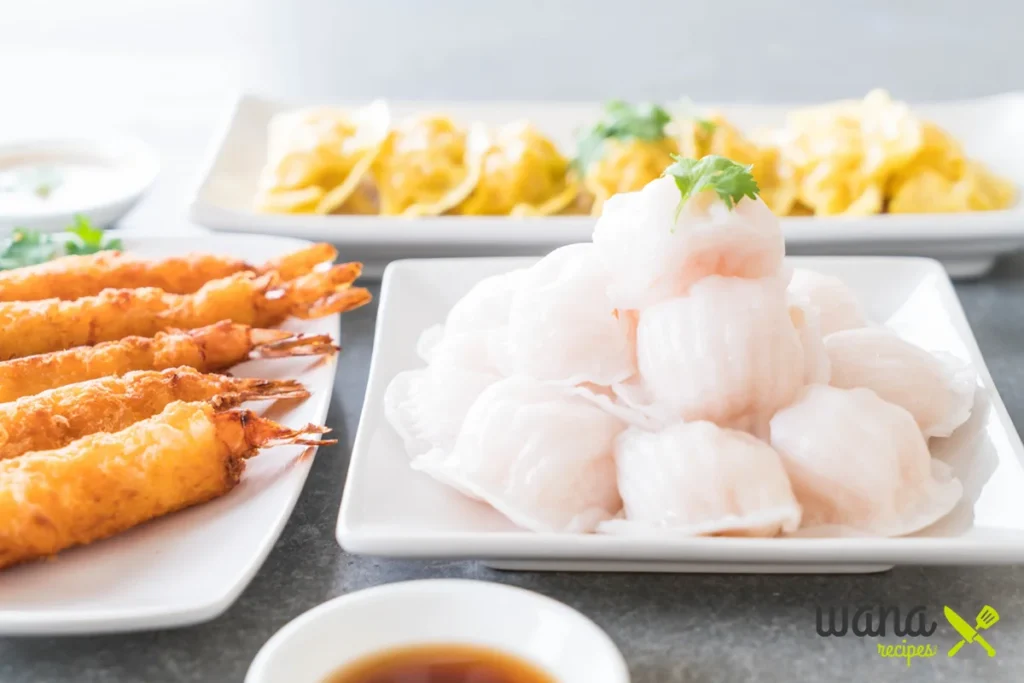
{"type": "Point", "coordinates": [390, 510]}
{"type": "Point", "coordinates": [991, 130]}
{"type": "Point", "coordinates": [190, 566]}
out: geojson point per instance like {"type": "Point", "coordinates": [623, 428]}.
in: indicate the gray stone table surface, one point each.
{"type": "Point", "coordinates": [671, 628]}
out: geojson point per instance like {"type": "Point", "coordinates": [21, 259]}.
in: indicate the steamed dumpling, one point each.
{"type": "Point", "coordinates": [726, 350]}
{"type": "Point", "coordinates": [938, 392]}
{"type": "Point", "coordinates": [561, 326]}
{"type": "Point", "coordinates": [699, 479]}
{"type": "Point", "coordinates": [540, 454]}
{"type": "Point", "coordinates": [860, 463]}
{"type": "Point", "coordinates": [807, 321]}
{"type": "Point", "coordinates": [427, 406]}
{"type": "Point", "coordinates": [654, 254]}
{"type": "Point", "coordinates": [837, 304]}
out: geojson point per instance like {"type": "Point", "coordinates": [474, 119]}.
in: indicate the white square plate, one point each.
{"type": "Point", "coordinates": [190, 566]}
{"type": "Point", "coordinates": [991, 130]}
{"type": "Point", "coordinates": [388, 509]}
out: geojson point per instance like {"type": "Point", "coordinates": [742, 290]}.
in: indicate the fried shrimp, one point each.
{"type": "Point", "coordinates": [55, 418]}
{"type": "Point", "coordinates": [32, 327]}
{"type": "Point", "coordinates": [104, 483]}
{"type": "Point", "coordinates": [213, 348]}
{"type": "Point", "coordinates": [72, 277]}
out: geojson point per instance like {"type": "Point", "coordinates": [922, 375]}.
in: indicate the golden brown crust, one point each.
{"type": "Point", "coordinates": [73, 277]}
{"type": "Point", "coordinates": [104, 484]}
{"type": "Point", "coordinates": [55, 418]}
{"type": "Point", "coordinates": [263, 301]}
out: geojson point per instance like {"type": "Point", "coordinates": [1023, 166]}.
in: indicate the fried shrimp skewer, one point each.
{"type": "Point", "coordinates": [55, 418]}
{"type": "Point", "coordinates": [213, 348]}
{"type": "Point", "coordinates": [104, 484]}
{"type": "Point", "coordinates": [32, 327]}
{"type": "Point", "coordinates": [72, 277]}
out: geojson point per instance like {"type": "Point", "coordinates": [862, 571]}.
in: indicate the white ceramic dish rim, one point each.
{"type": "Point", "coordinates": [525, 545]}
{"type": "Point", "coordinates": [308, 620]}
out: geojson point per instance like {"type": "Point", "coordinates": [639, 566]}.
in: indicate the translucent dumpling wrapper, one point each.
{"type": "Point", "coordinates": [696, 478]}
{"type": "Point", "coordinates": [725, 352]}
{"type": "Point", "coordinates": [561, 326]}
{"type": "Point", "coordinates": [428, 165]}
{"type": "Point", "coordinates": [937, 390]}
{"type": "Point", "coordinates": [859, 464]}
{"type": "Point", "coordinates": [318, 157]}
{"type": "Point", "coordinates": [655, 251]}
{"type": "Point", "coordinates": [807, 321]}
{"type": "Point", "coordinates": [484, 308]}
{"type": "Point", "coordinates": [541, 454]}
{"type": "Point", "coordinates": [522, 174]}
{"type": "Point", "coordinates": [838, 306]}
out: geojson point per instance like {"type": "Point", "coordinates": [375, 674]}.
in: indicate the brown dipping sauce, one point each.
{"type": "Point", "coordinates": [440, 664]}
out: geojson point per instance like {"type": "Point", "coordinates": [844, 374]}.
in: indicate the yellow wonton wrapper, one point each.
{"type": "Point", "coordinates": [317, 157]}
{"type": "Point", "coordinates": [428, 165]}
{"type": "Point", "coordinates": [626, 166]}
{"type": "Point", "coordinates": [522, 174]}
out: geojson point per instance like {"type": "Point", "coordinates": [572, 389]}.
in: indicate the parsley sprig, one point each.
{"type": "Point", "coordinates": [621, 121]}
{"type": "Point", "coordinates": [31, 247]}
{"type": "Point", "coordinates": [726, 178]}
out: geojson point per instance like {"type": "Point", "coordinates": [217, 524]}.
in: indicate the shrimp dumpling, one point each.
{"type": "Point", "coordinates": [562, 327]}
{"type": "Point", "coordinates": [837, 304]}
{"type": "Point", "coordinates": [938, 391]}
{"type": "Point", "coordinates": [541, 454]}
{"type": "Point", "coordinates": [727, 350]}
{"type": "Point", "coordinates": [858, 463]}
{"type": "Point", "coordinates": [697, 479]}
{"type": "Point", "coordinates": [656, 251]}
{"type": "Point", "coordinates": [427, 406]}
{"type": "Point", "coordinates": [807, 321]}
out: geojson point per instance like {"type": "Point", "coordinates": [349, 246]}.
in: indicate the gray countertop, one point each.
{"type": "Point", "coordinates": [671, 628]}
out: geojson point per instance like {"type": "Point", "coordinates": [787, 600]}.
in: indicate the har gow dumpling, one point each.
{"type": "Point", "coordinates": [837, 304]}
{"type": "Point", "coordinates": [859, 463]}
{"type": "Point", "coordinates": [697, 479]}
{"type": "Point", "coordinates": [727, 350]}
{"type": "Point", "coordinates": [540, 454]}
{"type": "Point", "coordinates": [807, 321]}
{"type": "Point", "coordinates": [938, 391]}
{"type": "Point", "coordinates": [656, 251]}
{"type": "Point", "coordinates": [561, 326]}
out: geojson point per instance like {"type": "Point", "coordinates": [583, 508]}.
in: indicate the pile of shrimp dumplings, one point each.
{"type": "Point", "coordinates": [675, 376]}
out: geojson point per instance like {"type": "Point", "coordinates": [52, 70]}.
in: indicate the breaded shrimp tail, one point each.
{"type": "Point", "coordinates": [57, 417]}
{"type": "Point", "coordinates": [291, 266]}
{"type": "Point", "coordinates": [106, 483]}
{"type": "Point", "coordinates": [72, 277]}
{"type": "Point", "coordinates": [263, 301]}
{"type": "Point", "coordinates": [208, 349]}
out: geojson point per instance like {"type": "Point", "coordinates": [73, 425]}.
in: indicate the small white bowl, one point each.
{"type": "Point", "coordinates": [553, 636]}
{"type": "Point", "coordinates": [125, 169]}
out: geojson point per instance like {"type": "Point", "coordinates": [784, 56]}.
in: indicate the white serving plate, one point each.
{"type": "Point", "coordinates": [532, 627]}
{"type": "Point", "coordinates": [390, 510]}
{"type": "Point", "coordinates": [991, 130]}
{"type": "Point", "coordinates": [190, 566]}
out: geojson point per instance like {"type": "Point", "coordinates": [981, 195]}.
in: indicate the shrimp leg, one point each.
{"type": "Point", "coordinates": [104, 484]}
{"type": "Point", "coordinates": [55, 418]}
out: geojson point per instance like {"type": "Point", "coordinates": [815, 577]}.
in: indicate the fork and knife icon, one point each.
{"type": "Point", "coordinates": [986, 618]}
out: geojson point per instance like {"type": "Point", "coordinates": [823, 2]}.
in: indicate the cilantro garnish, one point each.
{"type": "Point", "coordinates": [31, 247]}
{"type": "Point", "coordinates": [621, 121]}
{"type": "Point", "coordinates": [729, 180]}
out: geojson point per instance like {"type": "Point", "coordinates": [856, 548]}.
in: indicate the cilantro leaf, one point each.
{"type": "Point", "coordinates": [92, 239]}
{"type": "Point", "coordinates": [27, 248]}
{"type": "Point", "coordinates": [32, 247]}
{"type": "Point", "coordinates": [729, 180]}
{"type": "Point", "coordinates": [621, 121]}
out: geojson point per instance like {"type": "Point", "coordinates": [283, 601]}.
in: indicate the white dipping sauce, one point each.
{"type": "Point", "coordinates": [48, 186]}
